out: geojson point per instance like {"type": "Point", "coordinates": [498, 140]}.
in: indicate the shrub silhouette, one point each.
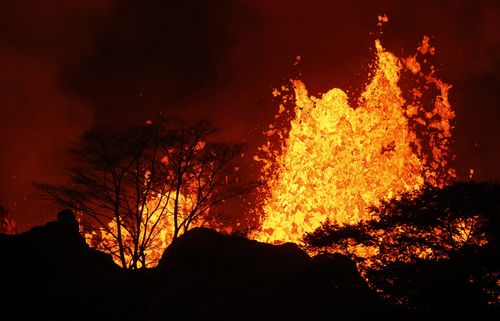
{"type": "Point", "coordinates": [437, 249]}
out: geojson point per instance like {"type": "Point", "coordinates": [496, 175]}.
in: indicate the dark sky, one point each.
{"type": "Point", "coordinates": [66, 66]}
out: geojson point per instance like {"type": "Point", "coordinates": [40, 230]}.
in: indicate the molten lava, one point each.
{"type": "Point", "coordinates": [149, 231]}
{"type": "Point", "coordinates": [157, 231]}
{"type": "Point", "coordinates": [335, 160]}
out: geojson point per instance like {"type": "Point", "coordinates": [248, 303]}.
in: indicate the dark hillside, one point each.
{"type": "Point", "coordinates": [50, 273]}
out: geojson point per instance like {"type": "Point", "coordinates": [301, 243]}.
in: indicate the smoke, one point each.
{"type": "Point", "coordinates": [39, 116]}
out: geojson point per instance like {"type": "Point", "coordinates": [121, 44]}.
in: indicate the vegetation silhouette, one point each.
{"type": "Point", "coordinates": [435, 250]}
{"type": "Point", "coordinates": [140, 188]}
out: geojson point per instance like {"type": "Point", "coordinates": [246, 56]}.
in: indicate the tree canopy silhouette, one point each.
{"type": "Point", "coordinates": [144, 186]}
{"type": "Point", "coordinates": [434, 245]}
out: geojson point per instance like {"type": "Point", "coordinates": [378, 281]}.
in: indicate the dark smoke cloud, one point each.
{"type": "Point", "coordinates": [156, 56]}
{"type": "Point", "coordinates": [39, 117]}
{"type": "Point", "coordinates": [97, 63]}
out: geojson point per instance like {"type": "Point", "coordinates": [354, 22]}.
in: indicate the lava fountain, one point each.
{"type": "Point", "coordinates": [334, 160]}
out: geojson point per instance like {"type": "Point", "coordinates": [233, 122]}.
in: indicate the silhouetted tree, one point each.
{"type": "Point", "coordinates": [146, 184]}
{"type": "Point", "coordinates": [427, 244]}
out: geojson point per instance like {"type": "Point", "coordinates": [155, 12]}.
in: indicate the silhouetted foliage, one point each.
{"type": "Point", "coordinates": [438, 247]}
{"type": "Point", "coordinates": [334, 237]}
{"type": "Point", "coordinates": [140, 182]}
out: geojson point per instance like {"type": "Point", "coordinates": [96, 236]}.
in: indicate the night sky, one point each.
{"type": "Point", "coordinates": [68, 66]}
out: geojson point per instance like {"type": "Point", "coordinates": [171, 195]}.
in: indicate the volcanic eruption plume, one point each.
{"type": "Point", "coordinates": [334, 160]}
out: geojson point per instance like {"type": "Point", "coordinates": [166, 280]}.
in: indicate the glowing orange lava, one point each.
{"type": "Point", "coordinates": [336, 160]}
{"type": "Point", "coordinates": [157, 231]}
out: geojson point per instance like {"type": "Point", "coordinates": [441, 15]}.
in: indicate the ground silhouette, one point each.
{"type": "Point", "coordinates": [50, 273]}
{"type": "Point", "coordinates": [238, 279]}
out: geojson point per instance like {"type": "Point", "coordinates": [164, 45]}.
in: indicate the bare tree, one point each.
{"type": "Point", "coordinates": [143, 187]}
